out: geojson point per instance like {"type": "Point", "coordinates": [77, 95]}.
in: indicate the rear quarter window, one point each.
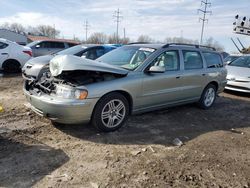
{"type": "Point", "coordinates": [3, 45]}
{"type": "Point", "coordinates": [213, 60]}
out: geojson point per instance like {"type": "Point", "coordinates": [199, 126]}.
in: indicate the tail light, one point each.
{"type": "Point", "coordinates": [28, 52]}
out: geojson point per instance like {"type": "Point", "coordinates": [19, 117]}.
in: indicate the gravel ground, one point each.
{"type": "Point", "coordinates": [215, 150]}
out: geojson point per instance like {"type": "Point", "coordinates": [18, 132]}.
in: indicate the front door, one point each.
{"type": "Point", "coordinates": [163, 88]}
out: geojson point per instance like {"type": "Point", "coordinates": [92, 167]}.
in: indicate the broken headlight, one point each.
{"type": "Point", "coordinates": [68, 92]}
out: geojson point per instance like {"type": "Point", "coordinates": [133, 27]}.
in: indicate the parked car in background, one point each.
{"type": "Point", "coordinates": [231, 58]}
{"type": "Point", "coordinates": [43, 47]}
{"type": "Point", "coordinates": [128, 80]}
{"type": "Point", "coordinates": [13, 56]}
{"type": "Point", "coordinates": [35, 67]}
{"type": "Point", "coordinates": [238, 76]}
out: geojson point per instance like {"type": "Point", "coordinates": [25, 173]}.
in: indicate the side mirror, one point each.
{"type": "Point", "coordinates": [38, 46]}
{"type": "Point", "coordinates": [157, 69]}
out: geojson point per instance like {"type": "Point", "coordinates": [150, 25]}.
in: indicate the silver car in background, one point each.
{"type": "Point", "coordinates": [131, 79]}
{"type": "Point", "coordinates": [238, 77]}
{"type": "Point", "coordinates": [45, 47]}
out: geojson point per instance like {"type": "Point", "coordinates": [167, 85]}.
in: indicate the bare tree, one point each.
{"type": "Point", "coordinates": [15, 27]}
{"type": "Point", "coordinates": [213, 43]}
{"type": "Point", "coordinates": [46, 30]}
{"type": "Point", "coordinates": [97, 38]}
{"type": "Point", "coordinates": [144, 38]}
{"type": "Point", "coordinates": [112, 39]}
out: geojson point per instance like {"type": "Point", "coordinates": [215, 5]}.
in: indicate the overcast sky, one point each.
{"type": "Point", "coordinates": [158, 19]}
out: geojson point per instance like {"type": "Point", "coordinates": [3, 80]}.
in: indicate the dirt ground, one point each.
{"type": "Point", "coordinates": [216, 150]}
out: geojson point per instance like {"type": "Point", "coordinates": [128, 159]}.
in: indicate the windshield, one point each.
{"type": "Point", "coordinates": [71, 51]}
{"type": "Point", "coordinates": [128, 57]}
{"type": "Point", "coordinates": [230, 58]}
{"type": "Point", "coordinates": [32, 43]}
{"type": "Point", "coordinates": [243, 61]}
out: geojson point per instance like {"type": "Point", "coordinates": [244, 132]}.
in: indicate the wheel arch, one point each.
{"type": "Point", "coordinates": [125, 94]}
{"type": "Point", "coordinates": [11, 60]}
{"type": "Point", "coordinates": [215, 83]}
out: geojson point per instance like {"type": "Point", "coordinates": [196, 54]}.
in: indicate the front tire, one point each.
{"type": "Point", "coordinates": [208, 97]}
{"type": "Point", "coordinates": [110, 112]}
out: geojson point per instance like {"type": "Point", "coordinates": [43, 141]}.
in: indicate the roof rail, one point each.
{"type": "Point", "coordinates": [184, 44]}
{"type": "Point", "coordinates": [137, 43]}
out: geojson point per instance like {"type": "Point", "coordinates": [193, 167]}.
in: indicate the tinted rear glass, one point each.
{"type": "Point", "coordinates": [213, 60]}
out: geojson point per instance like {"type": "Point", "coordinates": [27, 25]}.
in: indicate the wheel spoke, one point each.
{"type": "Point", "coordinates": [110, 122]}
{"type": "Point", "coordinates": [119, 116]}
{"type": "Point", "coordinates": [105, 115]}
{"type": "Point", "coordinates": [119, 107]}
{"type": "Point", "coordinates": [111, 105]}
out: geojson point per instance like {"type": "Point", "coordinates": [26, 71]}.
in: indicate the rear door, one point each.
{"type": "Point", "coordinates": [163, 88]}
{"type": "Point", "coordinates": [4, 52]}
{"type": "Point", "coordinates": [194, 74]}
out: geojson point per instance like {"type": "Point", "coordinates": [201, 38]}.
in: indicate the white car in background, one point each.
{"type": "Point", "coordinates": [13, 56]}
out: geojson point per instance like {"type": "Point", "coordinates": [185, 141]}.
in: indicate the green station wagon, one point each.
{"type": "Point", "coordinates": [131, 79]}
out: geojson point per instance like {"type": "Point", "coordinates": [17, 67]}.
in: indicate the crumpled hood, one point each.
{"type": "Point", "coordinates": [62, 63]}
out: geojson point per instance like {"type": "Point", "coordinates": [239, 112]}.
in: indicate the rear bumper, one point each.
{"type": "Point", "coordinates": [66, 111]}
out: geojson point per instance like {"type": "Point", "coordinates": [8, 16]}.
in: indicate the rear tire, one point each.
{"type": "Point", "coordinates": [11, 66]}
{"type": "Point", "coordinates": [208, 97]}
{"type": "Point", "coordinates": [110, 112]}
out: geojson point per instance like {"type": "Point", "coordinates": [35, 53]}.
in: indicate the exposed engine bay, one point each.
{"type": "Point", "coordinates": [47, 83]}
{"type": "Point", "coordinates": [70, 72]}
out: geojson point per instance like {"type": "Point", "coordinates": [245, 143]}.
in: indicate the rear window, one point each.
{"type": "Point", "coordinates": [3, 45]}
{"type": "Point", "coordinates": [213, 60]}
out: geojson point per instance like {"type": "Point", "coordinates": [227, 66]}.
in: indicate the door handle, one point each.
{"type": "Point", "coordinates": [177, 77]}
{"type": "Point", "coordinates": [4, 53]}
{"type": "Point", "coordinates": [204, 74]}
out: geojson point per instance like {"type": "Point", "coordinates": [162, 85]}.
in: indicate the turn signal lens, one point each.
{"type": "Point", "coordinates": [81, 94]}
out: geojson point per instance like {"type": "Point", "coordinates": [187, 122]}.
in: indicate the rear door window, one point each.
{"type": "Point", "coordinates": [213, 60]}
{"type": "Point", "coordinates": [192, 60]}
{"type": "Point", "coordinates": [57, 45]}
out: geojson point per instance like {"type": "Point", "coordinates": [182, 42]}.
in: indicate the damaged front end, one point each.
{"type": "Point", "coordinates": [69, 75]}
{"type": "Point", "coordinates": [61, 94]}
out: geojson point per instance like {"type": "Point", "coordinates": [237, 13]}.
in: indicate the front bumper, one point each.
{"type": "Point", "coordinates": [238, 86]}
{"type": "Point", "coordinates": [68, 111]}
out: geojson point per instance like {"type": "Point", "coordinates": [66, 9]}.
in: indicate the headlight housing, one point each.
{"type": "Point", "coordinates": [67, 92]}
